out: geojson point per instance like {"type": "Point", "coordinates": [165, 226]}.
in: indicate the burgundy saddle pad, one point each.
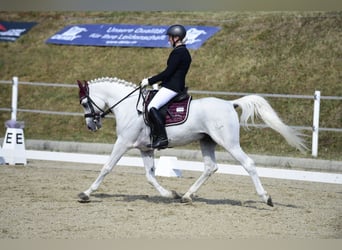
{"type": "Point", "coordinates": [175, 112]}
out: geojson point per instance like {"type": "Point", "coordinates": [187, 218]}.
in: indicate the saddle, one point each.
{"type": "Point", "coordinates": [174, 112]}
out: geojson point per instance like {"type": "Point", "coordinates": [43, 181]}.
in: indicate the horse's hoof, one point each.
{"type": "Point", "coordinates": [83, 201]}
{"type": "Point", "coordinates": [269, 201]}
{"type": "Point", "coordinates": [186, 200]}
{"type": "Point", "coordinates": [83, 197]}
{"type": "Point", "coordinates": [175, 195]}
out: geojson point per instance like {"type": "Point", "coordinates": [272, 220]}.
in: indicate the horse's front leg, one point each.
{"type": "Point", "coordinates": [148, 159]}
{"type": "Point", "coordinates": [118, 150]}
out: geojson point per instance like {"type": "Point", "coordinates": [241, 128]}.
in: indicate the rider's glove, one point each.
{"type": "Point", "coordinates": [144, 83]}
{"type": "Point", "coordinates": [155, 86]}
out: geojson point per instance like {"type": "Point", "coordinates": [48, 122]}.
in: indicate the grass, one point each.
{"type": "Point", "coordinates": [255, 52]}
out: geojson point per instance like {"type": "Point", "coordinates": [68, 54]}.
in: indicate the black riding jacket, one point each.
{"type": "Point", "coordinates": [178, 64]}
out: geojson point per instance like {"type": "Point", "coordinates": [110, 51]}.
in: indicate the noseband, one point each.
{"type": "Point", "coordinates": [95, 115]}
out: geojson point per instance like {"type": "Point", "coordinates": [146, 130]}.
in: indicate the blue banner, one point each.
{"type": "Point", "coordinates": [11, 31]}
{"type": "Point", "coordinates": [127, 35]}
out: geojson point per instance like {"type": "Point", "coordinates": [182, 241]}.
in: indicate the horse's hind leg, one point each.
{"type": "Point", "coordinates": [210, 167]}
{"type": "Point", "coordinates": [249, 166]}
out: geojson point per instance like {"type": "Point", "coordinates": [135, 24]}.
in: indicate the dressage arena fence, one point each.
{"type": "Point", "coordinates": [316, 97]}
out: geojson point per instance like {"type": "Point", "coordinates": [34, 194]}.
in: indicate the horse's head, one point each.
{"type": "Point", "coordinates": [92, 105]}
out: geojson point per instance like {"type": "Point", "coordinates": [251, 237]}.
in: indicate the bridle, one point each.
{"type": "Point", "coordinates": [96, 116]}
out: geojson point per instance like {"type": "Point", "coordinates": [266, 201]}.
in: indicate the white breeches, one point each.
{"type": "Point", "coordinates": [162, 97]}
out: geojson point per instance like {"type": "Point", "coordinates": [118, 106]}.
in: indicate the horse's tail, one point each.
{"type": "Point", "coordinates": [256, 106]}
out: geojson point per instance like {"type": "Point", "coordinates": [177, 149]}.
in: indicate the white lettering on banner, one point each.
{"type": "Point", "coordinates": [117, 30]}
{"type": "Point", "coordinates": [12, 32]}
{"type": "Point", "coordinates": [150, 31]}
{"type": "Point", "coordinates": [121, 42]}
{"type": "Point", "coordinates": [95, 35]}
{"type": "Point", "coordinates": [136, 37]}
{"type": "Point", "coordinates": [107, 36]}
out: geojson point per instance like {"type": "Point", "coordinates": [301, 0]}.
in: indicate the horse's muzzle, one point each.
{"type": "Point", "coordinates": [94, 125]}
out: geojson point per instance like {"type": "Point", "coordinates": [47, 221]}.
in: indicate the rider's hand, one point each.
{"type": "Point", "coordinates": [144, 83]}
{"type": "Point", "coordinates": [155, 86]}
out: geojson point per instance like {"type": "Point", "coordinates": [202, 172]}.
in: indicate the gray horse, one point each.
{"type": "Point", "coordinates": [211, 121]}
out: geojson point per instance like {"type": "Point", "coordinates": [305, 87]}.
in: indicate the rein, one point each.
{"type": "Point", "coordinates": [113, 106]}
{"type": "Point", "coordinates": [109, 110]}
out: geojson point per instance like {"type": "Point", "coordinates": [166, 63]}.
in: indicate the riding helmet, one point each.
{"type": "Point", "coordinates": [176, 30]}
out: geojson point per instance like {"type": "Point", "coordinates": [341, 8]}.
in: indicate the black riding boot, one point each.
{"type": "Point", "coordinates": [160, 140]}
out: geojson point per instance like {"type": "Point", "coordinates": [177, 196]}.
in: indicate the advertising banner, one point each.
{"type": "Point", "coordinates": [11, 31]}
{"type": "Point", "coordinates": [128, 35]}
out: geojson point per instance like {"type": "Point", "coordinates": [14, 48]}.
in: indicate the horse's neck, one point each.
{"type": "Point", "coordinates": [125, 110]}
{"type": "Point", "coordinates": [111, 92]}
{"type": "Point", "coordinates": [117, 96]}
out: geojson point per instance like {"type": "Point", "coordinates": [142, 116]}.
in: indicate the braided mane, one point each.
{"type": "Point", "coordinates": [114, 80]}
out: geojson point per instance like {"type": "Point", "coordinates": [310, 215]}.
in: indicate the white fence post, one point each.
{"type": "Point", "coordinates": [13, 148]}
{"type": "Point", "coordinates": [14, 98]}
{"type": "Point", "coordinates": [315, 126]}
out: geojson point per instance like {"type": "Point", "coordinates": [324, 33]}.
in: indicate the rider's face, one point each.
{"type": "Point", "coordinates": [173, 39]}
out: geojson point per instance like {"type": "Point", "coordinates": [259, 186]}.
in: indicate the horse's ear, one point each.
{"type": "Point", "coordinates": [86, 85]}
{"type": "Point", "coordinates": [83, 89]}
{"type": "Point", "coordinates": [79, 84]}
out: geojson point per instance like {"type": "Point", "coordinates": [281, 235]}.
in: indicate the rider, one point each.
{"type": "Point", "coordinates": [172, 82]}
